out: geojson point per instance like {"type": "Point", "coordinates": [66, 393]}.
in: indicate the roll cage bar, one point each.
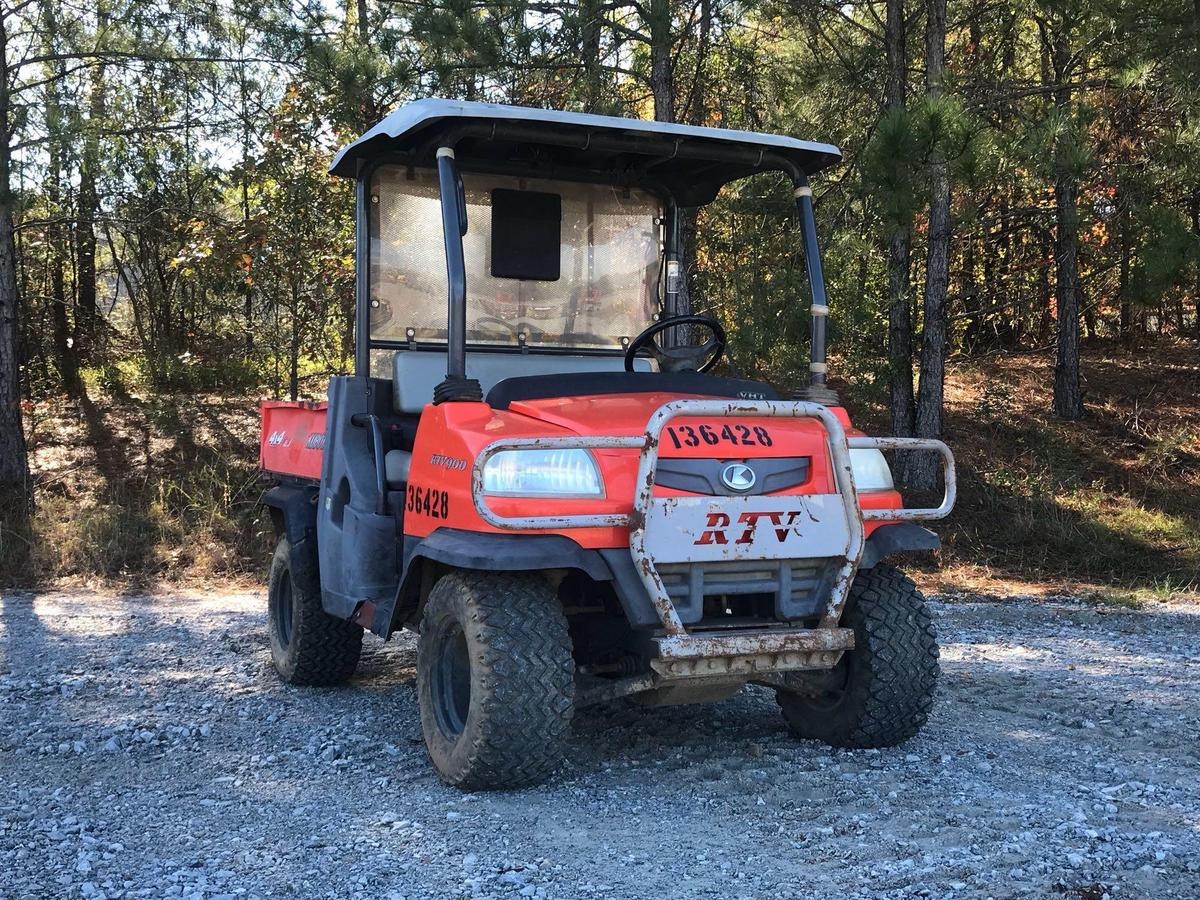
{"type": "Point", "coordinates": [497, 144]}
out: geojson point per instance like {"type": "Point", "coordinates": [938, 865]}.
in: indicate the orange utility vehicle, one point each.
{"type": "Point", "coordinates": [534, 467]}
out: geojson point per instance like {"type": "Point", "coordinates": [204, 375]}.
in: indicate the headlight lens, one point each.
{"type": "Point", "coordinates": [542, 473]}
{"type": "Point", "coordinates": [871, 472]}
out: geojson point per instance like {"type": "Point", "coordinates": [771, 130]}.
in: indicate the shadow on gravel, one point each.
{"type": "Point", "coordinates": [26, 641]}
{"type": "Point", "coordinates": [662, 731]}
{"type": "Point", "coordinates": [394, 661]}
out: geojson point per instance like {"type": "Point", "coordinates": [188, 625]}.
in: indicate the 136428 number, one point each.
{"type": "Point", "coordinates": [737, 435]}
{"type": "Point", "coordinates": [428, 501]}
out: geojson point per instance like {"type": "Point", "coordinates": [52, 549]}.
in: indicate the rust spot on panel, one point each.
{"type": "Point", "coordinates": [364, 615]}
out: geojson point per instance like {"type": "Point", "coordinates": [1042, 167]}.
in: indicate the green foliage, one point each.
{"type": "Point", "coordinates": [1169, 256]}
{"type": "Point", "coordinates": [181, 151]}
{"type": "Point", "coordinates": [891, 168]}
{"type": "Point", "coordinates": [219, 236]}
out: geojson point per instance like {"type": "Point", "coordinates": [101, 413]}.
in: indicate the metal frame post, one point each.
{"type": "Point", "coordinates": [817, 366]}
{"type": "Point", "coordinates": [362, 276]}
{"type": "Point", "coordinates": [453, 229]}
{"type": "Point", "coordinates": [673, 253]}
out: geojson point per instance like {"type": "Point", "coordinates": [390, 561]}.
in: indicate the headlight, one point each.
{"type": "Point", "coordinates": [542, 473]}
{"type": "Point", "coordinates": [871, 472]}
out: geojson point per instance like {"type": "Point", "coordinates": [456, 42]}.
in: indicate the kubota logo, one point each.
{"type": "Point", "coordinates": [738, 477]}
{"type": "Point", "coordinates": [278, 439]}
{"type": "Point", "coordinates": [718, 526]}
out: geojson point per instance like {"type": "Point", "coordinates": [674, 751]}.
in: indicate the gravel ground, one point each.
{"type": "Point", "coordinates": [146, 749]}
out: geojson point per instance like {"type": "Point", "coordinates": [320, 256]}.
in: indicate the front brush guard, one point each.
{"type": "Point", "coordinates": [840, 537]}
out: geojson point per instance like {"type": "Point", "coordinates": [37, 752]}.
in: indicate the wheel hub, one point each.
{"type": "Point", "coordinates": [284, 611]}
{"type": "Point", "coordinates": [451, 684]}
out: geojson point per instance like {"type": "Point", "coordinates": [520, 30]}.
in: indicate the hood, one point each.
{"type": "Point", "coordinates": [626, 415]}
{"type": "Point", "coordinates": [621, 415]}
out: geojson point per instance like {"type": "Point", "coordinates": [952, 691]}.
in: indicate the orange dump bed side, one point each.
{"type": "Point", "coordinates": [292, 441]}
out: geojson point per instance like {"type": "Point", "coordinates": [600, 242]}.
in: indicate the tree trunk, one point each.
{"type": "Point", "coordinates": [68, 370]}
{"type": "Point", "coordinates": [900, 335]}
{"type": "Point", "coordinates": [68, 365]}
{"type": "Point", "coordinates": [970, 295]}
{"type": "Point", "coordinates": [1089, 314]}
{"type": "Point", "coordinates": [924, 469]}
{"type": "Point", "coordinates": [662, 87]}
{"type": "Point", "coordinates": [895, 38]}
{"type": "Point", "coordinates": [1068, 396]}
{"type": "Point", "coordinates": [1196, 224]}
{"type": "Point", "coordinates": [87, 314]}
{"type": "Point", "coordinates": [294, 348]}
{"type": "Point", "coordinates": [662, 65]}
{"type": "Point", "coordinates": [899, 246]}
{"type": "Point", "coordinates": [247, 286]}
{"type": "Point", "coordinates": [368, 112]}
{"type": "Point", "coordinates": [591, 15]}
{"type": "Point", "coordinates": [1045, 323]}
{"type": "Point", "coordinates": [1123, 286]}
{"type": "Point", "coordinates": [14, 461]}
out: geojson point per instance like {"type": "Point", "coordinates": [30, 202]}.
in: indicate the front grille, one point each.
{"type": "Point", "coordinates": [703, 476]}
{"type": "Point", "coordinates": [800, 587]}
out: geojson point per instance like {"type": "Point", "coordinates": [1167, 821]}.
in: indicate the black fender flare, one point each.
{"type": "Point", "coordinates": [483, 552]}
{"type": "Point", "coordinates": [490, 552]}
{"type": "Point", "coordinates": [898, 537]}
{"type": "Point", "coordinates": [293, 510]}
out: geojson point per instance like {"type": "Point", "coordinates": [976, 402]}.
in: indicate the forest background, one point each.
{"type": "Point", "coordinates": [1012, 246]}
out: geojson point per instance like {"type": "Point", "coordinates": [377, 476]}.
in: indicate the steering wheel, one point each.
{"type": "Point", "coordinates": [698, 358]}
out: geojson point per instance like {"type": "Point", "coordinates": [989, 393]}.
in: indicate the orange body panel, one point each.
{"type": "Point", "coordinates": [451, 436]}
{"type": "Point", "coordinates": [292, 441]}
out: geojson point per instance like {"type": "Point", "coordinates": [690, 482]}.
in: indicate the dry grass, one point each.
{"type": "Point", "coordinates": [134, 486]}
{"type": "Point", "coordinates": [139, 489]}
{"type": "Point", "coordinates": [1110, 504]}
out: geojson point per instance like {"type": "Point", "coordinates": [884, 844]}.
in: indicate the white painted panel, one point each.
{"type": "Point", "coordinates": [705, 529]}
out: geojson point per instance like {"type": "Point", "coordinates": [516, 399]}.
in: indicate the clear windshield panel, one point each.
{"type": "Point", "coordinates": [606, 290]}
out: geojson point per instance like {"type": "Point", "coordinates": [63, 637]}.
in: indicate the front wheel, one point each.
{"type": "Point", "coordinates": [880, 693]}
{"type": "Point", "coordinates": [495, 679]}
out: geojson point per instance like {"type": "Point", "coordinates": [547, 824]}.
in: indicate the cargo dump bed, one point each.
{"type": "Point", "coordinates": [292, 441]}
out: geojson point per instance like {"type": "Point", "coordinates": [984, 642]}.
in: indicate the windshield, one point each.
{"type": "Point", "coordinates": [604, 293]}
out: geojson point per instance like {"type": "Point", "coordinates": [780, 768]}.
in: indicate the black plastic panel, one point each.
{"type": "Point", "coordinates": [703, 476]}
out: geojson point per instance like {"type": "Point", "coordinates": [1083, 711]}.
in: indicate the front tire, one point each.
{"type": "Point", "coordinates": [308, 646]}
{"type": "Point", "coordinates": [495, 679]}
{"type": "Point", "coordinates": [880, 693]}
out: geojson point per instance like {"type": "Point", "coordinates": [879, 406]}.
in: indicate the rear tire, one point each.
{"type": "Point", "coordinates": [881, 692]}
{"type": "Point", "coordinates": [308, 646]}
{"type": "Point", "coordinates": [495, 679]}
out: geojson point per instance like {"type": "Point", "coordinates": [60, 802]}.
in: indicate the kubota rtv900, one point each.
{"type": "Point", "coordinates": [533, 467]}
